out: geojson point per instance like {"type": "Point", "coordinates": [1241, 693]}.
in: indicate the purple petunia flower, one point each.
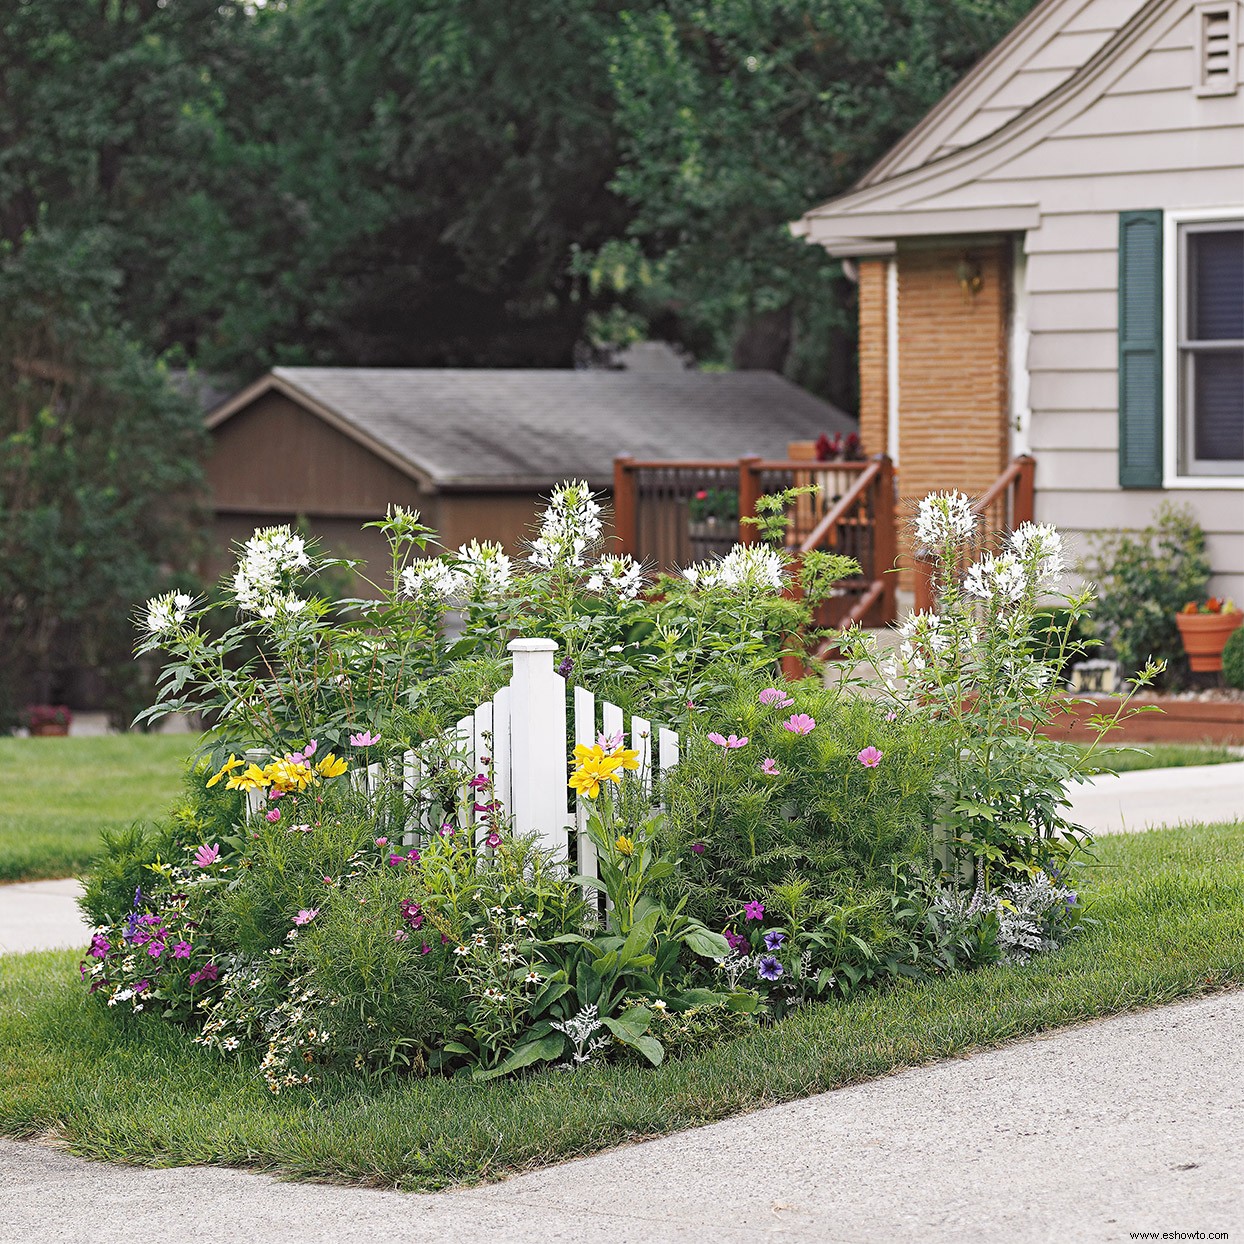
{"type": "Point", "coordinates": [100, 946]}
{"type": "Point", "coordinates": [734, 940]}
{"type": "Point", "coordinates": [769, 968]}
{"type": "Point", "coordinates": [208, 972]}
{"type": "Point", "coordinates": [754, 910]}
{"type": "Point", "coordinates": [774, 939]}
{"type": "Point", "coordinates": [181, 950]}
{"type": "Point", "coordinates": [698, 848]}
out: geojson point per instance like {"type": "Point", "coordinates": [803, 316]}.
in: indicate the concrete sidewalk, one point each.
{"type": "Point", "coordinates": [1086, 1135]}
{"type": "Point", "coordinates": [1152, 797]}
{"type": "Point", "coordinates": [41, 915]}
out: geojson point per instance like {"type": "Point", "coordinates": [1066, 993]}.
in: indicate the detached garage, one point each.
{"type": "Point", "coordinates": [473, 451]}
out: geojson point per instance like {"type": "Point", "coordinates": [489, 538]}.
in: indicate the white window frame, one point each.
{"type": "Point", "coordinates": [1171, 432]}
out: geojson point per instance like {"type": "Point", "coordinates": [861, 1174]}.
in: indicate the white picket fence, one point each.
{"type": "Point", "coordinates": [522, 735]}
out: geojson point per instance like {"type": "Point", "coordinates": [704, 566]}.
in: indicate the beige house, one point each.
{"type": "Point", "coordinates": [1052, 262]}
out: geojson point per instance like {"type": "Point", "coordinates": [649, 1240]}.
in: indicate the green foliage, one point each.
{"type": "Point", "coordinates": [822, 817]}
{"type": "Point", "coordinates": [1233, 659]}
{"type": "Point", "coordinates": [98, 474]}
{"type": "Point", "coordinates": [1144, 578]}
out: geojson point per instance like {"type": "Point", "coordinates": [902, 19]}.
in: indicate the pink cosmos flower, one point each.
{"type": "Point", "coordinates": [771, 695]}
{"type": "Point", "coordinates": [770, 766]}
{"type": "Point", "coordinates": [309, 750]}
{"type": "Point", "coordinates": [730, 743]}
{"type": "Point", "coordinates": [891, 716]}
{"type": "Point", "coordinates": [306, 915]}
{"type": "Point", "coordinates": [382, 842]}
{"type": "Point", "coordinates": [799, 723]}
{"type": "Point", "coordinates": [401, 935]}
{"type": "Point", "coordinates": [364, 739]}
{"type": "Point", "coordinates": [395, 860]}
{"type": "Point", "coordinates": [273, 815]}
{"type": "Point", "coordinates": [870, 757]}
{"type": "Point", "coordinates": [206, 856]}
{"type": "Point", "coordinates": [609, 742]}
{"type": "Point", "coordinates": [181, 950]}
{"type": "Point", "coordinates": [754, 910]}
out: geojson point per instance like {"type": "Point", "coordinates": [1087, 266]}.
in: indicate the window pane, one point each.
{"type": "Point", "coordinates": [1216, 285]}
{"type": "Point", "coordinates": [1218, 399]}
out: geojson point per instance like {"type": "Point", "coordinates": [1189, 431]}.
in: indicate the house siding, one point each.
{"type": "Point", "coordinates": [874, 382]}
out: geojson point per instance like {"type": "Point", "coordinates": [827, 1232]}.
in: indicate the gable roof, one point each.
{"type": "Point", "coordinates": [899, 195]}
{"type": "Point", "coordinates": [460, 429]}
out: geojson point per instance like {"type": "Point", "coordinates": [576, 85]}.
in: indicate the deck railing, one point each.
{"type": "Point", "coordinates": [673, 513]}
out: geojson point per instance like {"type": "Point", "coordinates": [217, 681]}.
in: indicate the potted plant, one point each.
{"type": "Point", "coordinates": [47, 719]}
{"type": "Point", "coordinates": [1205, 627]}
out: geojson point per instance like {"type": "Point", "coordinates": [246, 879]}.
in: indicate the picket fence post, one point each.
{"type": "Point", "coordinates": [538, 744]}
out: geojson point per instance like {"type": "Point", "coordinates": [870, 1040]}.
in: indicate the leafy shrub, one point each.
{"type": "Point", "coordinates": [1233, 659]}
{"type": "Point", "coordinates": [1144, 579]}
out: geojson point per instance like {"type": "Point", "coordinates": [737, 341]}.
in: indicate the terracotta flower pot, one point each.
{"type": "Point", "coordinates": [49, 728]}
{"type": "Point", "coordinates": [1204, 636]}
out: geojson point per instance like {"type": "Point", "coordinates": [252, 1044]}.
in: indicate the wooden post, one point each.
{"type": "Point", "coordinates": [1025, 500]}
{"type": "Point", "coordinates": [885, 538]}
{"type": "Point", "coordinates": [538, 745]}
{"type": "Point", "coordinates": [625, 512]}
{"type": "Point", "coordinates": [749, 494]}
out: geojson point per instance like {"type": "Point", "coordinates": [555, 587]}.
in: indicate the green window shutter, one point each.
{"type": "Point", "coordinates": [1140, 349]}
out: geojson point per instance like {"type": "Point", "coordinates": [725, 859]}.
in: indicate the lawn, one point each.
{"type": "Point", "coordinates": [57, 793]}
{"type": "Point", "coordinates": [1169, 911]}
{"type": "Point", "coordinates": [1167, 756]}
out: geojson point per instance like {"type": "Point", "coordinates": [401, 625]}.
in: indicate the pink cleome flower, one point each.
{"type": "Point", "coordinates": [729, 743]}
{"type": "Point", "coordinates": [799, 723]}
{"type": "Point", "coordinates": [870, 757]}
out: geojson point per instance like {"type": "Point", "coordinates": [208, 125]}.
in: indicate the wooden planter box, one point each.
{"type": "Point", "coordinates": [1180, 721]}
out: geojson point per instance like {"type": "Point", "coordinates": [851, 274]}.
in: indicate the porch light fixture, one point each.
{"type": "Point", "coordinates": [968, 274]}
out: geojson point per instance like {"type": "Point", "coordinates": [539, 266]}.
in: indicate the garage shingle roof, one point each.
{"type": "Point", "coordinates": [484, 428]}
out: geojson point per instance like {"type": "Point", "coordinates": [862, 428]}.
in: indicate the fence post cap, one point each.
{"type": "Point", "coordinates": [532, 645]}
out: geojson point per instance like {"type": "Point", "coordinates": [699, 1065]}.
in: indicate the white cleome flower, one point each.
{"type": "Point", "coordinates": [1000, 579]}
{"type": "Point", "coordinates": [483, 569]}
{"type": "Point", "coordinates": [168, 612]}
{"type": "Point", "coordinates": [430, 579]}
{"type": "Point", "coordinates": [746, 568]}
{"type": "Point", "coordinates": [1040, 548]}
{"type": "Point", "coordinates": [944, 516]}
{"type": "Point", "coordinates": [270, 553]}
{"type": "Point", "coordinates": [569, 526]}
{"type": "Point", "coordinates": [617, 575]}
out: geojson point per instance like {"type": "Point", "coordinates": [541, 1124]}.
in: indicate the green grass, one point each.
{"type": "Point", "coordinates": [1168, 756]}
{"type": "Point", "coordinates": [57, 793]}
{"type": "Point", "coordinates": [1169, 906]}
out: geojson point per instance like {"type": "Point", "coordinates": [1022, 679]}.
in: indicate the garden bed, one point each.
{"type": "Point", "coordinates": [1179, 720]}
{"type": "Point", "coordinates": [1169, 923]}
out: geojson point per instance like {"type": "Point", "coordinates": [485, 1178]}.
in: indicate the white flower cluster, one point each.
{"type": "Point", "coordinates": [168, 612]}
{"type": "Point", "coordinates": [944, 516]}
{"type": "Point", "coordinates": [746, 568]}
{"type": "Point", "coordinates": [617, 575]}
{"type": "Point", "coordinates": [999, 579]}
{"type": "Point", "coordinates": [1040, 548]}
{"type": "Point", "coordinates": [568, 528]}
{"type": "Point", "coordinates": [429, 579]}
{"type": "Point", "coordinates": [270, 553]}
{"type": "Point", "coordinates": [483, 570]}
{"type": "Point", "coordinates": [927, 639]}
